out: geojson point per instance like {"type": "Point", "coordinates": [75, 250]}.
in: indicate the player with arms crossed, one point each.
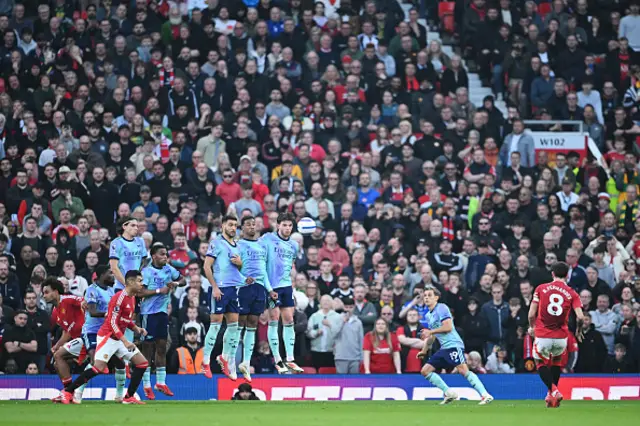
{"type": "Point", "coordinates": [451, 353]}
{"type": "Point", "coordinates": [69, 316]}
{"type": "Point", "coordinates": [158, 279]}
{"type": "Point", "coordinates": [281, 254]}
{"type": "Point", "coordinates": [97, 299]}
{"type": "Point", "coordinates": [252, 299]}
{"type": "Point", "coordinates": [126, 253]}
{"type": "Point", "coordinates": [111, 341]}
{"type": "Point", "coordinates": [222, 269]}
{"type": "Point", "coordinates": [548, 320]}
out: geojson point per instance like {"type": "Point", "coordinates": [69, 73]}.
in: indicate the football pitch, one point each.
{"type": "Point", "coordinates": [358, 413]}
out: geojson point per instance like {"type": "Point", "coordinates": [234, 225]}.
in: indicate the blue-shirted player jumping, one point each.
{"type": "Point", "coordinates": [127, 252]}
{"type": "Point", "coordinates": [451, 353]}
{"type": "Point", "coordinates": [222, 269]}
{"type": "Point", "coordinates": [281, 254]}
{"type": "Point", "coordinates": [159, 279]}
{"type": "Point", "coordinates": [97, 297]}
{"type": "Point", "coordinates": [252, 298]}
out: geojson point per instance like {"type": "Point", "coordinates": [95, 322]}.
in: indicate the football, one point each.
{"type": "Point", "coordinates": [306, 226]}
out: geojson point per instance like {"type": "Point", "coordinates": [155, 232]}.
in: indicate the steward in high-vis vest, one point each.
{"type": "Point", "coordinates": [188, 358]}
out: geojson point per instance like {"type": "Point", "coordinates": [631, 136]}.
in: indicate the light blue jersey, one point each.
{"type": "Point", "coordinates": [129, 253]}
{"type": "Point", "coordinates": [254, 261]}
{"type": "Point", "coordinates": [100, 297]}
{"type": "Point", "coordinates": [281, 254]}
{"type": "Point", "coordinates": [154, 278]}
{"type": "Point", "coordinates": [225, 273]}
{"type": "Point", "coordinates": [434, 320]}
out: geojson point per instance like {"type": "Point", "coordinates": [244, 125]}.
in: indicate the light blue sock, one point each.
{"type": "Point", "coordinates": [81, 388]}
{"type": "Point", "coordinates": [476, 383]}
{"type": "Point", "coordinates": [289, 337]}
{"type": "Point", "coordinates": [227, 341]}
{"type": "Point", "coordinates": [146, 378]}
{"type": "Point", "coordinates": [128, 334]}
{"type": "Point", "coordinates": [274, 340]}
{"type": "Point", "coordinates": [437, 381]}
{"type": "Point", "coordinates": [235, 341]}
{"type": "Point", "coordinates": [210, 341]}
{"type": "Point", "coordinates": [121, 379]}
{"type": "Point", "coordinates": [161, 375]}
{"type": "Point", "coordinates": [248, 344]}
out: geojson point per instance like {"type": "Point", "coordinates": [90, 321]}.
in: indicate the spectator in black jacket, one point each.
{"type": "Point", "coordinates": [9, 287]}
{"type": "Point", "coordinates": [592, 351]}
{"type": "Point", "coordinates": [475, 327]}
{"type": "Point", "coordinates": [39, 322]}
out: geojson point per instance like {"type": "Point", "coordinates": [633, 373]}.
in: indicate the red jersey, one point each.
{"type": "Point", "coordinates": [382, 356]}
{"type": "Point", "coordinates": [69, 315]}
{"type": "Point", "coordinates": [555, 301]}
{"type": "Point", "coordinates": [119, 315]}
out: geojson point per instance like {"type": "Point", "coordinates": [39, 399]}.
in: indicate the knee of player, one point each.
{"type": "Point", "coordinates": [426, 370]}
{"type": "Point", "coordinates": [59, 355]}
{"type": "Point", "coordinates": [462, 369]}
{"type": "Point", "coordinates": [161, 347]}
{"type": "Point", "coordinates": [252, 321]}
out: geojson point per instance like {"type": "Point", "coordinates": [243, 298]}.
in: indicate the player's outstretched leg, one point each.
{"type": "Point", "coordinates": [209, 343]}
{"type": "Point", "coordinates": [474, 380]}
{"type": "Point", "coordinates": [161, 368]}
{"type": "Point", "coordinates": [428, 371]}
{"type": "Point", "coordinates": [69, 390]}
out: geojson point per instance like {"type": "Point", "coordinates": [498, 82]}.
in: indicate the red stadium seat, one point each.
{"type": "Point", "coordinates": [445, 13]}
{"type": "Point", "coordinates": [544, 9]}
{"type": "Point", "coordinates": [326, 370]}
{"type": "Point", "coordinates": [309, 370]}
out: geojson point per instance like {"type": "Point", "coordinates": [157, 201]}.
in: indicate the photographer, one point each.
{"type": "Point", "coordinates": [245, 393]}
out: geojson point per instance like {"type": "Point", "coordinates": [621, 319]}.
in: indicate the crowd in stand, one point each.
{"type": "Point", "coordinates": [344, 111]}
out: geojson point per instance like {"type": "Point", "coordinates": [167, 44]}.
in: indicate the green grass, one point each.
{"type": "Point", "coordinates": [358, 413]}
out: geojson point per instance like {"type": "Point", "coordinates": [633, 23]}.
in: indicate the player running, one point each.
{"type": "Point", "coordinates": [111, 341]}
{"type": "Point", "coordinates": [281, 254]}
{"type": "Point", "coordinates": [252, 299]}
{"type": "Point", "coordinates": [451, 353]}
{"type": "Point", "coordinates": [69, 316]}
{"type": "Point", "coordinates": [222, 269]}
{"type": "Point", "coordinates": [126, 253]}
{"type": "Point", "coordinates": [97, 299]}
{"type": "Point", "coordinates": [548, 321]}
{"type": "Point", "coordinates": [158, 279]}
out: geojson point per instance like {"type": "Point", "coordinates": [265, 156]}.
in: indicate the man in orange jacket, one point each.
{"type": "Point", "coordinates": [187, 359]}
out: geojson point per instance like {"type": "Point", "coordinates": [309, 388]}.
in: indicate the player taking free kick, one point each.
{"type": "Point", "coordinates": [451, 353]}
{"type": "Point", "coordinates": [548, 320]}
{"type": "Point", "coordinates": [111, 341]}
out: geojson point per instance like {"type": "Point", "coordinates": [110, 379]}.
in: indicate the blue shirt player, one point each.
{"type": "Point", "coordinates": [281, 255]}
{"type": "Point", "coordinates": [159, 279]}
{"type": "Point", "coordinates": [253, 298]}
{"type": "Point", "coordinates": [222, 268]}
{"type": "Point", "coordinates": [127, 252]}
{"type": "Point", "coordinates": [451, 353]}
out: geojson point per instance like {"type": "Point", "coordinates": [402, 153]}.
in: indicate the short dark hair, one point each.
{"type": "Point", "coordinates": [226, 218]}
{"type": "Point", "coordinates": [245, 219]}
{"type": "Point", "coordinates": [54, 284]}
{"type": "Point", "coordinates": [433, 289]}
{"type": "Point", "coordinates": [132, 275]}
{"type": "Point", "coordinates": [560, 270]}
{"type": "Point", "coordinates": [284, 217]}
{"type": "Point", "coordinates": [156, 248]}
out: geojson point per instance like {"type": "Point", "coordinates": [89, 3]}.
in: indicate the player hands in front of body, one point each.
{"type": "Point", "coordinates": [112, 342]}
{"type": "Point", "coordinates": [158, 279]}
{"type": "Point", "coordinates": [548, 322]}
{"type": "Point", "coordinates": [451, 353]}
{"type": "Point", "coordinates": [222, 269]}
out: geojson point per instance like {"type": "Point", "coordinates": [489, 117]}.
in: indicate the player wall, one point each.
{"type": "Point", "coordinates": [334, 387]}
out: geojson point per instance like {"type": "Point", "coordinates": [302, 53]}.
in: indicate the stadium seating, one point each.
{"type": "Point", "coordinates": [446, 14]}
{"type": "Point", "coordinates": [326, 370]}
